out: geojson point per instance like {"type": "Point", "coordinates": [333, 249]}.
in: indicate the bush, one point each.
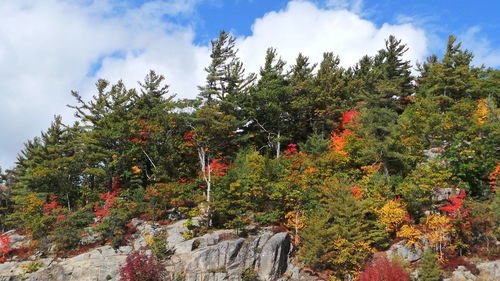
{"type": "Point", "coordinates": [341, 235]}
{"type": "Point", "coordinates": [249, 274]}
{"type": "Point", "coordinates": [159, 246]}
{"type": "Point", "coordinates": [67, 232]}
{"type": "Point", "coordinates": [142, 267]}
{"type": "Point", "coordinates": [429, 269]}
{"type": "Point", "coordinates": [382, 269]}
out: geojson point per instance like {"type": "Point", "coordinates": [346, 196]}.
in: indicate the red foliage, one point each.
{"type": "Point", "coordinates": [164, 222]}
{"type": "Point", "coordinates": [227, 236]}
{"type": "Point", "coordinates": [382, 269]}
{"type": "Point", "coordinates": [349, 116]}
{"type": "Point", "coordinates": [454, 208]}
{"type": "Point", "coordinates": [292, 148]}
{"type": "Point", "coordinates": [218, 167]}
{"type": "Point", "coordinates": [4, 246]}
{"type": "Point", "coordinates": [357, 192]}
{"type": "Point", "coordinates": [142, 267]}
{"type": "Point", "coordinates": [21, 252]}
{"type": "Point", "coordinates": [188, 136]}
{"type": "Point", "coordinates": [109, 200]}
{"type": "Point", "coordinates": [278, 228]}
{"type": "Point", "coordinates": [452, 262]}
{"type": "Point", "coordinates": [80, 250]}
{"type": "Point", "coordinates": [53, 205]}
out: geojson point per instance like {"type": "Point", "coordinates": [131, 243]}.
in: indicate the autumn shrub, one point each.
{"type": "Point", "coordinates": [142, 267]}
{"type": "Point", "coordinates": [226, 236]}
{"type": "Point", "coordinates": [452, 262]}
{"type": "Point", "coordinates": [4, 246]}
{"type": "Point", "coordinates": [68, 231]}
{"type": "Point", "coordinates": [29, 215]}
{"type": "Point", "coordinates": [380, 268]}
{"type": "Point", "coordinates": [113, 226]}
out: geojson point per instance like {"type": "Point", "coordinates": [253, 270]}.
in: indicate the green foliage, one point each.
{"type": "Point", "coordinates": [112, 228]}
{"type": "Point", "coordinates": [159, 246]}
{"type": "Point", "coordinates": [249, 274]}
{"type": "Point", "coordinates": [341, 235]}
{"type": "Point", "coordinates": [429, 269]}
{"type": "Point", "coordinates": [68, 231]}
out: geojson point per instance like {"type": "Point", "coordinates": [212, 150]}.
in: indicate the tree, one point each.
{"type": "Point", "coordinates": [382, 85]}
{"type": "Point", "coordinates": [106, 140]}
{"type": "Point", "coordinates": [451, 79]}
{"type": "Point", "coordinates": [48, 164]}
{"type": "Point", "coordinates": [225, 74]}
{"type": "Point", "coordinates": [212, 133]}
{"type": "Point", "coordinates": [392, 215]}
{"type": "Point", "coordinates": [429, 269]}
{"type": "Point", "coordinates": [341, 234]}
{"type": "Point", "coordinates": [267, 106]}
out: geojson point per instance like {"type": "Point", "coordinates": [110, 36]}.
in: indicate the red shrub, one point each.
{"type": "Point", "coordinates": [164, 222]}
{"type": "Point", "coordinates": [142, 267]}
{"type": "Point", "coordinates": [4, 246]}
{"type": "Point", "coordinates": [382, 269]}
{"type": "Point", "coordinates": [278, 228]}
{"type": "Point", "coordinates": [453, 262]}
{"type": "Point", "coordinates": [227, 236]}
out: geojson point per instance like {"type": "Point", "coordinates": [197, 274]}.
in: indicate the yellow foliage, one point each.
{"type": "Point", "coordinates": [392, 214]}
{"type": "Point", "coordinates": [295, 220]}
{"type": "Point", "coordinates": [348, 257]}
{"type": "Point", "coordinates": [412, 235]}
{"type": "Point", "coordinates": [437, 229]}
{"type": "Point", "coordinates": [136, 169]}
{"type": "Point", "coordinates": [482, 112]}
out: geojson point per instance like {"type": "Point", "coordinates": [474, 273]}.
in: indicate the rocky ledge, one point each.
{"type": "Point", "coordinates": [220, 255]}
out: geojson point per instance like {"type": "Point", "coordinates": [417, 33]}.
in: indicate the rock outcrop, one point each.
{"type": "Point", "coordinates": [220, 255]}
{"type": "Point", "coordinates": [410, 254]}
{"type": "Point", "coordinates": [488, 271]}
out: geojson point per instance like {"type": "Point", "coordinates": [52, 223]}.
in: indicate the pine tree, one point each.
{"type": "Point", "coordinates": [341, 234]}
{"type": "Point", "coordinates": [267, 107]}
{"type": "Point", "coordinates": [429, 269]}
{"type": "Point", "coordinates": [225, 74]}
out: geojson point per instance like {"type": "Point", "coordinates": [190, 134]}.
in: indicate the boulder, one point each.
{"type": "Point", "coordinates": [410, 254]}
{"type": "Point", "coordinates": [216, 256]}
{"type": "Point", "coordinates": [489, 271]}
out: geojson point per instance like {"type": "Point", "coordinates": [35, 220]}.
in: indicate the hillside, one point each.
{"type": "Point", "coordinates": [380, 171]}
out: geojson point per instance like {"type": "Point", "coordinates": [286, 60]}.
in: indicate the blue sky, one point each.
{"type": "Point", "coordinates": [442, 17]}
{"type": "Point", "coordinates": [50, 47]}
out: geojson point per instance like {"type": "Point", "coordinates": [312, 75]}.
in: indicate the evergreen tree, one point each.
{"type": "Point", "coordinates": [268, 105]}
{"type": "Point", "coordinates": [429, 269]}
{"type": "Point", "coordinates": [341, 234]}
{"type": "Point", "coordinates": [225, 74]}
{"type": "Point", "coordinates": [49, 165]}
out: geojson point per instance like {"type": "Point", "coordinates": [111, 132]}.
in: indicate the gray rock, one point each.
{"type": "Point", "coordinates": [462, 274]}
{"type": "Point", "coordinates": [489, 271]}
{"type": "Point", "coordinates": [274, 257]}
{"type": "Point", "coordinates": [410, 254]}
{"type": "Point", "coordinates": [216, 256]}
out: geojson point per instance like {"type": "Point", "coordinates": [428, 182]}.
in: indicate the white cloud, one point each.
{"type": "Point", "coordinates": [481, 47]}
{"type": "Point", "coordinates": [303, 27]}
{"type": "Point", "coordinates": [48, 48]}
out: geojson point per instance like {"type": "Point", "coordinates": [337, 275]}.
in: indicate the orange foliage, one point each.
{"type": "Point", "coordinates": [494, 176]}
